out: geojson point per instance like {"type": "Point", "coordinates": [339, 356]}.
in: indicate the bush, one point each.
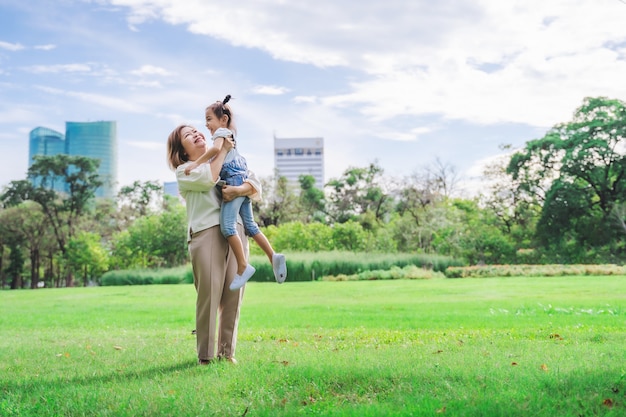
{"type": "Point", "coordinates": [408, 272]}
{"type": "Point", "coordinates": [178, 275]}
{"type": "Point", "coordinates": [532, 270]}
{"type": "Point", "coordinates": [316, 266]}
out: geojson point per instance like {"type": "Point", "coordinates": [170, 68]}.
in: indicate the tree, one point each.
{"type": "Point", "coordinates": [139, 199]}
{"type": "Point", "coordinates": [311, 200]}
{"type": "Point", "coordinates": [356, 192]}
{"type": "Point", "coordinates": [27, 223]}
{"type": "Point", "coordinates": [578, 168]}
{"type": "Point", "coordinates": [156, 240]}
{"type": "Point", "coordinates": [78, 173]}
{"type": "Point", "coordinates": [280, 203]}
{"type": "Point", "coordinates": [86, 256]}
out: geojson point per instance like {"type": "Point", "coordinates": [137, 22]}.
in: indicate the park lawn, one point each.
{"type": "Point", "coordinates": [549, 346]}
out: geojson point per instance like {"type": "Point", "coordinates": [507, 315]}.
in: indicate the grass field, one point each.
{"type": "Point", "coordinates": [464, 347]}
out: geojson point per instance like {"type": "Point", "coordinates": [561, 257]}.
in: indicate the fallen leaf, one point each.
{"type": "Point", "coordinates": [118, 347]}
{"type": "Point", "coordinates": [283, 340]}
{"type": "Point", "coordinates": [441, 410]}
{"type": "Point", "coordinates": [514, 363]}
{"type": "Point", "coordinates": [544, 367]}
{"type": "Point", "coordinates": [608, 402]}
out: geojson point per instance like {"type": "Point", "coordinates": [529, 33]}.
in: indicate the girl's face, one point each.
{"type": "Point", "coordinates": [212, 121]}
{"type": "Point", "coordinates": [193, 142]}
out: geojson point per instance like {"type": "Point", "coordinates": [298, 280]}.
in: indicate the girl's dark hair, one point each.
{"type": "Point", "coordinates": [220, 108]}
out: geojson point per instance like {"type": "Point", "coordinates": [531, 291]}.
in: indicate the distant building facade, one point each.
{"type": "Point", "coordinates": [96, 140]}
{"type": "Point", "coordinates": [171, 188]}
{"type": "Point", "coordinates": [300, 156]}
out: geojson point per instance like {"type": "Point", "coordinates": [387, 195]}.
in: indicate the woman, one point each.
{"type": "Point", "coordinates": [213, 263]}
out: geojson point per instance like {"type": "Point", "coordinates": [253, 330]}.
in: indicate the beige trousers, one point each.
{"type": "Point", "coordinates": [217, 307]}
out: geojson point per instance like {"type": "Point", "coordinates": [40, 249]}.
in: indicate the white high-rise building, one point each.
{"type": "Point", "coordinates": [300, 156]}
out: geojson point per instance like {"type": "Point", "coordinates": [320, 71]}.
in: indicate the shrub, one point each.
{"type": "Point", "coordinates": [532, 270]}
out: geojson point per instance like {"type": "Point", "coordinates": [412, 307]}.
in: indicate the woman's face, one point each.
{"type": "Point", "coordinates": [193, 142]}
{"type": "Point", "coordinates": [212, 122]}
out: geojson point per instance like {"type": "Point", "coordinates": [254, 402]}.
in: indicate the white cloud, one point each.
{"type": "Point", "coordinates": [11, 46]}
{"type": "Point", "coordinates": [40, 69]}
{"type": "Point", "coordinates": [117, 103]}
{"type": "Point", "coordinates": [151, 146]}
{"type": "Point", "coordinates": [47, 47]}
{"type": "Point", "coordinates": [485, 61]}
{"type": "Point", "coordinates": [269, 90]}
{"type": "Point", "coordinates": [151, 70]}
{"type": "Point", "coordinates": [305, 99]}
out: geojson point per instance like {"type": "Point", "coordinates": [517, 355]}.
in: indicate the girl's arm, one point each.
{"type": "Point", "coordinates": [207, 156]}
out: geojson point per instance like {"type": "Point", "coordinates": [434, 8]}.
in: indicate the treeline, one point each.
{"type": "Point", "coordinates": [559, 200]}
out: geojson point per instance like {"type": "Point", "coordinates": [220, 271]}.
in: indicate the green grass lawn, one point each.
{"type": "Point", "coordinates": [465, 347]}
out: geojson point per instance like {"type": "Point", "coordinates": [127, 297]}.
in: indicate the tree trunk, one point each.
{"type": "Point", "coordinates": [34, 269]}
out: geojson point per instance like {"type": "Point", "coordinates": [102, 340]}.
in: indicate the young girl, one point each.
{"type": "Point", "coordinates": [234, 172]}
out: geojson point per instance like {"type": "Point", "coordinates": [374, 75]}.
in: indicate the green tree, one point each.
{"type": "Point", "coordinates": [356, 192]}
{"type": "Point", "coordinates": [280, 203]}
{"type": "Point", "coordinates": [311, 200]}
{"type": "Point", "coordinates": [27, 223]}
{"type": "Point", "coordinates": [63, 210]}
{"type": "Point", "coordinates": [86, 256]}
{"type": "Point", "coordinates": [578, 169]}
{"type": "Point", "coordinates": [156, 240]}
{"type": "Point", "coordinates": [139, 199]}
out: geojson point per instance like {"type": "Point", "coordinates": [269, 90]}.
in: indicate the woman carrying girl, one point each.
{"type": "Point", "coordinates": [234, 172]}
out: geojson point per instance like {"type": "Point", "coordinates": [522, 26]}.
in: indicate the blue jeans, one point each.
{"type": "Point", "coordinates": [228, 217]}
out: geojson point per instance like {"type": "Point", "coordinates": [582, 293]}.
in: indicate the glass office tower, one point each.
{"type": "Point", "coordinates": [96, 140]}
{"type": "Point", "coordinates": [44, 141]}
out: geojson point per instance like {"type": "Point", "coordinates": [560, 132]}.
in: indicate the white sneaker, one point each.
{"type": "Point", "coordinates": [240, 280]}
{"type": "Point", "coordinates": [279, 264]}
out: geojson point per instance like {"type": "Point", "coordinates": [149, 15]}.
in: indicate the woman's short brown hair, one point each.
{"type": "Point", "coordinates": [176, 155]}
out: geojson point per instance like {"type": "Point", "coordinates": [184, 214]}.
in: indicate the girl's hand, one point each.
{"type": "Point", "coordinates": [229, 143]}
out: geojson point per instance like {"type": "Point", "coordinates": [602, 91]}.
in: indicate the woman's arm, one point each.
{"type": "Point", "coordinates": [230, 192]}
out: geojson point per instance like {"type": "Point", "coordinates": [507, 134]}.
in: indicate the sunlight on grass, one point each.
{"type": "Point", "coordinates": [529, 346]}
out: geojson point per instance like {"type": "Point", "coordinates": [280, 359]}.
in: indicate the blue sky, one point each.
{"type": "Point", "coordinates": [401, 82]}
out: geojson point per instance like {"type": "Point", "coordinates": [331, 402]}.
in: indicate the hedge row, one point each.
{"type": "Point", "coordinates": [526, 270]}
{"type": "Point", "coordinates": [300, 267]}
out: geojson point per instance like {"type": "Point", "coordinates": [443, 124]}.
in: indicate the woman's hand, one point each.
{"type": "Point", "coordinates": [230, 192]}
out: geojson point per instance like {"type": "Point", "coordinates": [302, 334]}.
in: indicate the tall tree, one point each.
{"type": "Point", "coordinates": [579, 169]}
{"type": "Point", "coordinates": [280, 203]}
{"type": "Point", "coordinates": [357, 192]}
{"type": "Point", "coordinates": [78, 173]}
{"type": "Point", "coordinates": [27, 223]}
{"type": "Point", "coordinates": [311, 199]}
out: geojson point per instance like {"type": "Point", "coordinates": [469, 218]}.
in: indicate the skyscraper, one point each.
{"type": "Point", "coordinates": [300, 156]}
{"type": "Point", "coordinates": [96, 140]}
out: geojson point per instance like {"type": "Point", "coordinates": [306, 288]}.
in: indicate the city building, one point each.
{"type": "Point", "coordinates": [300, 156]}
{"type": "Point", "coordinates": [171, 188]}
{"type": "Point", "coordinates": [96, 140]}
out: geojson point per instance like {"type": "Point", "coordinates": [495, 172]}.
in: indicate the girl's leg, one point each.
{"type": "Point", "coordinates": [277, 260]}
{"type": "Point", "coordinates": [228, 226]}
